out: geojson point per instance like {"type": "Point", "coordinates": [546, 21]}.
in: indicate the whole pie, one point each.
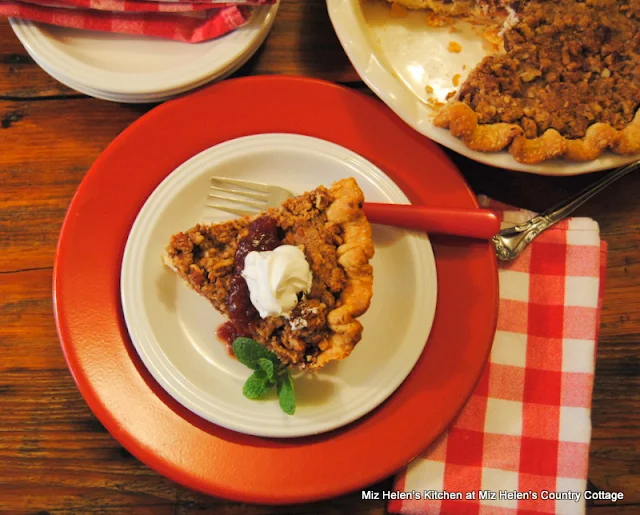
{"type": "Point", "coordinates": [328, 225]}
{"type": "Point", "coordinates": [564, 82]}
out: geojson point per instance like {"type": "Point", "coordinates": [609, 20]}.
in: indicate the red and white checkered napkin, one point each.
{"type": "Point", "coordinates": [525, 431]}
{"type": "Point", "coordinates": [181, 20]}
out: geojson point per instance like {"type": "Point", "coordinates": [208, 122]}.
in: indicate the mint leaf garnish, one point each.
{"type": "Point", "coordinates": [268, 368]}
{"type": "Point", "coordinates": [269, 372]}
{"type": "Point", "coordinates": [286, 395]}
{"type": "Point", "coordinates": [249, 351]}
{"type": "Point", "coordinates": [257, 385]}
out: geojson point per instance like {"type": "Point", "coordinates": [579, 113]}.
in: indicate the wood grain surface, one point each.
{"type": "Point", "coordinates": [56, 458]}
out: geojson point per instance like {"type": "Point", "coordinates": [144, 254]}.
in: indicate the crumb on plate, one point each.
{"type": "Point", "coordinates": [398, 11]}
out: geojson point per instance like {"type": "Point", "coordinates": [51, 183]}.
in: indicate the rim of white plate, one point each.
{"type": "Point", "coordinates": [242, 415]}
{"type": "Point", "coordinates": [153, 97]}
{"type": "Point", "coordinates": [349, 24]}
{"type": "Point", "coordinates": [224, 51]}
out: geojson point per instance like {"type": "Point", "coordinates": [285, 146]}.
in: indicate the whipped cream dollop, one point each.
{"type": "Point", "coordinates": [275, 277]}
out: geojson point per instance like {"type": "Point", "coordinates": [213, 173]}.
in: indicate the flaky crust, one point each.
{"type": "Point", "coordinates": [353, 255]}
{"type": "Point", "coordinates": [462, 122]}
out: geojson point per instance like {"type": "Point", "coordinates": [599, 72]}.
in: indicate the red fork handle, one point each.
{"type": "Point", "coordinates": [473, 223]}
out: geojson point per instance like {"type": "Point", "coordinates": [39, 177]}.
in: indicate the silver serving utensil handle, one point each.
{"type": "Point", "coordinates": [511, 242]}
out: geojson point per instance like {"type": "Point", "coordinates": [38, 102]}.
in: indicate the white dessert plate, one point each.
{"type": "Point", "coordinates": [174, 329]}
{"type": "Point", "coordinates": [150, 97]}
{"type": "Point", "coordinates": [399, 57]}
{"type": "Point", "coordinates": [122, 64]}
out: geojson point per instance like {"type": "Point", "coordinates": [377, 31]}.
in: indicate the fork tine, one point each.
{"type": "Point", "coordinates": [254, 195]}
{"type": "Point", "coordinates": [237, 212]}
{"type": "Point", "coordinates": [265, 188]}
{"type": "Point", "coordinates": [244, 202]}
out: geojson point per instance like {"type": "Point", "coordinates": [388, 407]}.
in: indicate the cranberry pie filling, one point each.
{"type": "Point", "coordinates": [262, 235]}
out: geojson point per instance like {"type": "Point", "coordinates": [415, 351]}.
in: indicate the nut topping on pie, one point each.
{"type": "Point", "coordinates": [566, 85]}
{"type": "Point", "coordinates": [328, 225]}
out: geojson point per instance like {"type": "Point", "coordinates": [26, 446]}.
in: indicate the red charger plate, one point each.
{"type": "Point", "coordinates": [161, 432]}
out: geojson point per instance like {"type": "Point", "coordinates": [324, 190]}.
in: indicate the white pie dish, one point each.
{"type": "Point", "coordinates": [399, 57]}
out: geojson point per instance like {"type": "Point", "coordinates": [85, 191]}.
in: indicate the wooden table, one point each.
{"type": "Point", "coordinates": [56, 458]}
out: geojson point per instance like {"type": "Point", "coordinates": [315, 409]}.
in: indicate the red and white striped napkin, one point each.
{"type": "Point", "coordinates": [523, 437]}
{"type": "Point", "coordinates": [181, 20]}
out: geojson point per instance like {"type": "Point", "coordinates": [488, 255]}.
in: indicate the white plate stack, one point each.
{"type": "Point", "coordinates": [138, 69]}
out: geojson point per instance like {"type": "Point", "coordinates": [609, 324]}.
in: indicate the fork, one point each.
{"type": "Point", "coordinates": [477, 223]}
{"type": "Point", "coordinates": [241, 197]}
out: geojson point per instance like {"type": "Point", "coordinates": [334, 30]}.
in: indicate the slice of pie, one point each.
{"type": "Point", "coordinates": [329, 227]}
{"type": "Point", "coordinates": [565, 82]}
